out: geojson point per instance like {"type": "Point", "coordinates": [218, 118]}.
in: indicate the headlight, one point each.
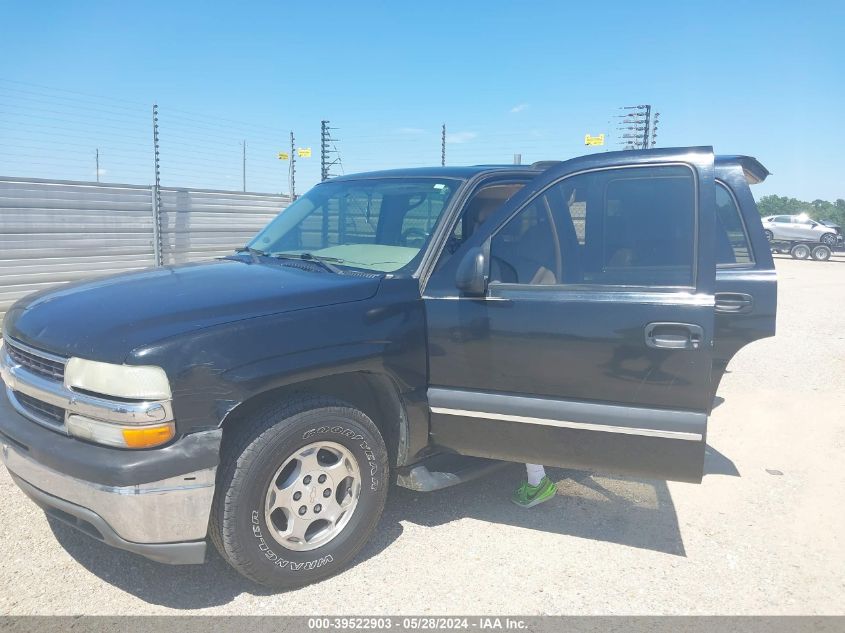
{"type": "Point", "coordinates": [135, 382]}
{"type": "Point", "coordinates": [127, 382]}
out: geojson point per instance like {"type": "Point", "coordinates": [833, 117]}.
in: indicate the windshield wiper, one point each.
{"type": "Point", "coordinates": [251, 251]}
{"type": "Point", "coordinates": [325, 262]}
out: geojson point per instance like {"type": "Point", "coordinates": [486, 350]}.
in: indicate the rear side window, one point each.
{"type": "Point", "coordinates": [732, 246]}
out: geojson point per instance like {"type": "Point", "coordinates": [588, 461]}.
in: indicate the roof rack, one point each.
{"type": "Point", "coordinates": [545, 164]}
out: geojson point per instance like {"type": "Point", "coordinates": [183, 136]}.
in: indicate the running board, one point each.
{"type": "Point", "coordinates": [442, 471]}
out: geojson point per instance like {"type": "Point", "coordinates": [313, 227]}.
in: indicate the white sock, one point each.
{"type": "Point", "coordinates": [535, 474]}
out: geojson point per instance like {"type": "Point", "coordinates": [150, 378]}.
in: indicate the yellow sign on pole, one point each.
{"type": "Point", "coordinates": [304, 152]}
{"type": "Point", "coordinates": [283, 156]}
{"type": "Point", "coordinates": [594, 140]}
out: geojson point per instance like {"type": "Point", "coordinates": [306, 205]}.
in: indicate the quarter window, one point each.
{"type": "Point", "coordinates": [731, 239]}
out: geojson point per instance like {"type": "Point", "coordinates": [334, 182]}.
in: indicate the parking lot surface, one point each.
{"type": "Point", "coordinates": [763, 534]}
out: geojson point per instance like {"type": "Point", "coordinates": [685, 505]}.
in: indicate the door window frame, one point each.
{"type": "Point", "coordinates": [429, 264]}
{"type": "Point", "coordinates": [611, 288]}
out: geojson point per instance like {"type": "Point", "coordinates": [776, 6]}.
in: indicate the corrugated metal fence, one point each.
{"type": "Point", "coordinates": [57, 231]}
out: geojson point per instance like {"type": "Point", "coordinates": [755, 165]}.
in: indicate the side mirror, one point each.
{"type": "Point", "coordinates": [471, 276]}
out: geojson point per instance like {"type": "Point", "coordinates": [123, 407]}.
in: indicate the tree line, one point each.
{"type": "Point", "coordinates": [817, 209]}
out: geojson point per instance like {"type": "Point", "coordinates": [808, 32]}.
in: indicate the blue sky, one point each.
{"type": "Point", "coordinates": [759, 78]}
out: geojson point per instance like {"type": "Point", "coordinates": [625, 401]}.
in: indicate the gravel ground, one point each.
{"type": "Point", "coordinates": [763, 534]}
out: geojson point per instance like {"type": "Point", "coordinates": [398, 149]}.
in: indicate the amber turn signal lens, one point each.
{"type": "Point", "coordinates": [148, 436]}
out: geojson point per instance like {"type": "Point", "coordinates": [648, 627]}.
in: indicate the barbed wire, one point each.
{"type": "Point", "coordinates": [58, 133]}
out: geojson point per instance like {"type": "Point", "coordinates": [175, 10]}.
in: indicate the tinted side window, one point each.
{"type": "Point", "coordinates": [526, 249]}
{"type": "Point", "coordinates": [633, 226]}
{"type": "Point", "coordinates": [731, 239]}
{"type": "Point", "coordinates": [478, 208]}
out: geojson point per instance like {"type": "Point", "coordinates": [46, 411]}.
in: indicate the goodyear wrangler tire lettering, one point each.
{"type": "Point", "coordinates": [245, 526]}
{"type": "Point", "coordinates": [337, 429]}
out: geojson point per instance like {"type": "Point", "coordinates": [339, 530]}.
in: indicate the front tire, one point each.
{"type": "Point", "coordinates": [272, 519]}
{"type": "Point", "coordinates": [769, 235]}
{"type": "Point", "coordinates": [828, 239]}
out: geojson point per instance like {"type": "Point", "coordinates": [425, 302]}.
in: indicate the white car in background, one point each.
{"type": "Point", "coordinates": [798, 227]}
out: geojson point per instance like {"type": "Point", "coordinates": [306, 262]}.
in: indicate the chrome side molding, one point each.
{"type": "Point", "coordinates": [586, 426]}
{"type": "Point", "coordinates": [569, 414]}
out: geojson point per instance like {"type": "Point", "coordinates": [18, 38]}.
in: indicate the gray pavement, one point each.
{"type": "Point", "coordinates": [763, 534]}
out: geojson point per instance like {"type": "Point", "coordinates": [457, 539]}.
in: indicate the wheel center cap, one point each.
{"type": "Point", "coordinates": [312, 492]}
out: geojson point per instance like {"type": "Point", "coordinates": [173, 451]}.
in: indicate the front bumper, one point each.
{"type": "Point", "coordinates": [163, 520]}
{"type": "Point", "coordinates": [152, 502]}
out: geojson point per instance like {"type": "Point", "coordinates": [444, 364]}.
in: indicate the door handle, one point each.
{"type": "Point", "coordinates": [734, 302]}
{"type": "Point", "coordinates": [674, 335]}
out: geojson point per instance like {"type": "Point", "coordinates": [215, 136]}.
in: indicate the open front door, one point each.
{"type": "Point", "coordinates": [591, 345]}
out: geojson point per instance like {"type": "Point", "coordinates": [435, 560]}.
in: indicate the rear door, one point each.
{"type": "Point", "coordinates": [592, 345]}
{"type": "Point", "coordinates": [746, 282]}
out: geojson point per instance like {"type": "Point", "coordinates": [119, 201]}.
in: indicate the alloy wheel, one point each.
{"type": "Point", "coordinates": [312, 496]}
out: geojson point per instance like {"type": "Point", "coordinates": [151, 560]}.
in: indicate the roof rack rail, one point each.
{"type": "Point", "coordinates": [545, 164]}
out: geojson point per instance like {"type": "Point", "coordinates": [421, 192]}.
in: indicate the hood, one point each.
{"type": "Point", "coordinates": [104, 319]}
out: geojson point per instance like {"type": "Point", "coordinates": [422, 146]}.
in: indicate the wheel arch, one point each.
{"type": "Point", "coordinates": [374, 394]}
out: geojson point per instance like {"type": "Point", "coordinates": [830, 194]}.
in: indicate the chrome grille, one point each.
{"type": "Point", "coordinates": [34, 362]}
{"type": "Point", "coordinates": [44, 411]}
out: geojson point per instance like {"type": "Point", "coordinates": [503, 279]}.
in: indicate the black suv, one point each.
{"type": "Point", "coordinates": [576, 314]}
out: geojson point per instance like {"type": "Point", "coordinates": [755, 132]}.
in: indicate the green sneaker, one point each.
{"type": "Point", "coordinates": [530, 496]}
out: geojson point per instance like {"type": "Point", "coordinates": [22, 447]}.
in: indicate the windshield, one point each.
{"type": "Point", "coordinates": [376, 224]}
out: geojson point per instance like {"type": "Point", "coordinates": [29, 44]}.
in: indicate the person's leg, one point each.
{"type": "Point", "coordinates": [536, 490]}
{"type": "Point", "coordinates": [536, 473]}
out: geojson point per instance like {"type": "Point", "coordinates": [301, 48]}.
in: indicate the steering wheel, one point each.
{"type": "Point", "coordinates": [413, 237]}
